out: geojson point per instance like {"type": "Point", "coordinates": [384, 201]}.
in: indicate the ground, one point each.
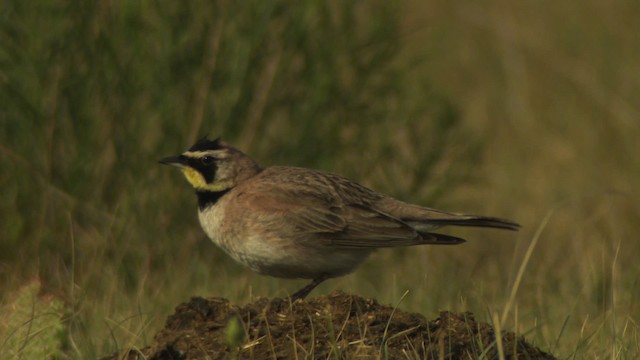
{"type": "Point", "coordinates": [334, 326]}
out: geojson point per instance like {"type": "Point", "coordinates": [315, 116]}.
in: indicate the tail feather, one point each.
{"type": "Point", "coordinates": [477, 221]}
{"type": "Point", "coordinates": [429, 238]}
{"type": "Point", "coordinates": [425, 219]}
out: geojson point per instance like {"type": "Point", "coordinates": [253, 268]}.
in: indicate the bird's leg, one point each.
{"type": "Point", "coordinates": [302, 293]}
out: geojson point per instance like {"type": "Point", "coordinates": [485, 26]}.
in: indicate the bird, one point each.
{"type": "Point", "coordinates": [294, 222]}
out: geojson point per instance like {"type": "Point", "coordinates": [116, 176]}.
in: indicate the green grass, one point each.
{"type": "Point", "coordinates": [517, 110]}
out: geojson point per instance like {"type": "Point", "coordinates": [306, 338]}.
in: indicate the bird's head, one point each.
{"type": "Point", "coordinates": [213, 165]}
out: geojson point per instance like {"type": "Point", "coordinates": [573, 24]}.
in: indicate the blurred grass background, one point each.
{"type": "Point", "coordinates": [513, 109]}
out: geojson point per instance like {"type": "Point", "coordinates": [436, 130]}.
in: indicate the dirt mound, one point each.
{"type": "Point", "coordinates": [332, 326]}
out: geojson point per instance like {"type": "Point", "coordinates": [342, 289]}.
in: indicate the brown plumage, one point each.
{"type": "Point", "coordinates": [300, 223]}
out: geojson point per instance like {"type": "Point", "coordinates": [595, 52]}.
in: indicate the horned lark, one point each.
{"type": "Point", "coordinates": [294, 222]}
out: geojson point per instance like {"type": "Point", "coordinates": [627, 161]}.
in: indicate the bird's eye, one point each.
{"type": "Point", "coordinates": [207, 160]}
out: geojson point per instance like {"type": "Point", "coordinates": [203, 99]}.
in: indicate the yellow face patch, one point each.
{"type": "Point", "coordinates": [197, 181]}
{"type": "Point", "coordinates": [194, 178]}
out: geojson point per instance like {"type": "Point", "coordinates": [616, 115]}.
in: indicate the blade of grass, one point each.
{"type": "Point", "coordinates": [523, 266]}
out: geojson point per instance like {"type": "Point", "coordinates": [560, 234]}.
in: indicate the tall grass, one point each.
{"type": "Point", "coordinates": [93, 94]}
{"type": "Point", "coordinates": [552, 89]}
{"type": "Point", "coordinates": [508, 109]}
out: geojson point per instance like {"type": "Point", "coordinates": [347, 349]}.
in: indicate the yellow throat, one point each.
{"type": "Point", "coordinates": [197, 181]}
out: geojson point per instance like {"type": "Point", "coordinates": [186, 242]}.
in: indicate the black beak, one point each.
{"type": "Point", "coordinates": [173, 160]}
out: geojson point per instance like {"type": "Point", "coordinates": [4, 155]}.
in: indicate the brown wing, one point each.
{"type": "Point", "coordinates": [314, 211]}
{"type": "Point", "coordinates": [365, 227]}
{"type": "Point", "coordinates": [355, 226]}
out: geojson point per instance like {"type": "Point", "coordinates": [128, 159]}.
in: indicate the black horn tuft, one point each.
{"type": "Point", "coordinates": [206, 144]}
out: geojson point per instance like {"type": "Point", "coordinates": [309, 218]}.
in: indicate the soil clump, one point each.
{"type": "Point", "coordinates": [336, 326]}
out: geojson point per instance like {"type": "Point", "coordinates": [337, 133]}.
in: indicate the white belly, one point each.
{"type": "Point", "coordinates": [267, 254]}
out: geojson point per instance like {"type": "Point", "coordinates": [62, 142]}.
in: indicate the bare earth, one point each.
{"type": "Point", "coordinates": [337, 326]}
